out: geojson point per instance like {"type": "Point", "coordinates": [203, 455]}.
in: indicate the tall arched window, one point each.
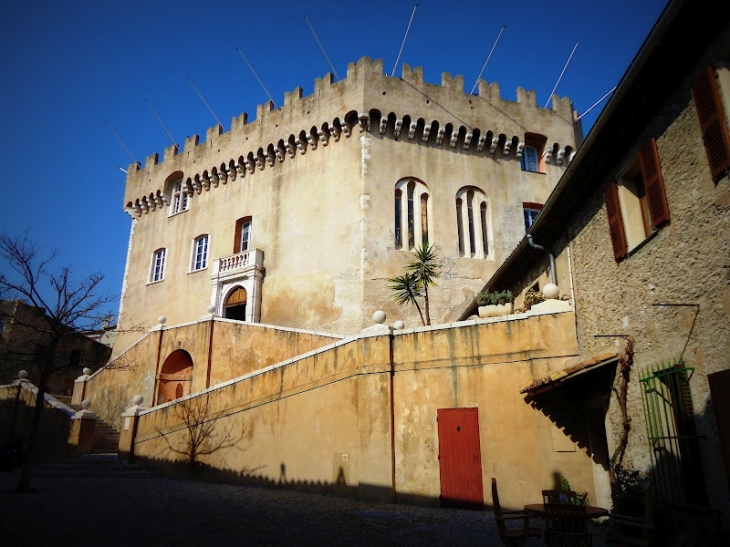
{"type": "Point", "coordinates": [412, 214]}
{"type": "Point", "coordinates": [472, 222]}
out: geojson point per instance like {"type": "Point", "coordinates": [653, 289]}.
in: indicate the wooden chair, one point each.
{"type": "Point", "coordinates": [559, 496]}
{"type": "Point", "coordinates": [566, 525]}
{"type": "Point", "coordinates": [517, 537]}
{"type": "Point", "coordinates": [631, 530]}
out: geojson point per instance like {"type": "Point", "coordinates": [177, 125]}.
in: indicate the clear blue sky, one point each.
{"type": "Point", "coordinates": [68, 67]}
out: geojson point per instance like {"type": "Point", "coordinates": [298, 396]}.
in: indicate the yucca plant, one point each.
{"type": "Point", "coordinates": [419, 275]}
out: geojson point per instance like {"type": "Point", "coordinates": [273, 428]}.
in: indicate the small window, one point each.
{"type": "Point", "coordinates": [530, 211]}
{"type": "Point", "coordinates": [637, 203]}
{"type": "Point", "coordinates": [75, 358]}
{"type": "Point", "coordinates": [200, 253]}
{"type": "Point", "coordinates": [411, 213]}
{"type": "Point", "coordinates": [158, 265]}
{"type": "Point", "coordinates": [532, 159]}
{"type": "Point", "coordinates": [179, 200]}
{"type": "Point", "coordinates": [242, 240]}
{"type": "Point", "coordinates": [471, 222]}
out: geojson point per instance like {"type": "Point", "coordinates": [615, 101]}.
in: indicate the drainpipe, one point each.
{"type": "Point", "coordinates": [553, 275]}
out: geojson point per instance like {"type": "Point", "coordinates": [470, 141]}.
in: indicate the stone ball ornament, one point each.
{"type": "Point", "coordinates": [86, 371]}
{"type": "Point", "coordinates": [379, 317]}
{"type": "Point", "coordinates": [162, 319]}
{"type": "Point", "coordinates": [211, 308]}
{"type": "Point", "coordinates": [137, 400]}
{"type": "Point", "coordinates": [22, 374]}
{"type": "Point", "coordinates": [86, 404]}
{"type": "Point", "coordinates": [550, 291]}
{"type": "Point", "coordinates": [399, 325]}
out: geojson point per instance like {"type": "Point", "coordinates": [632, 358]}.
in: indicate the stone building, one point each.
{"type": "Point", "coordinates": [298, 218]}
{"type": "Point", "coordinates": [638, 227]}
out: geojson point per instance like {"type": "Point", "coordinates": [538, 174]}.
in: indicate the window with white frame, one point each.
{"type": "Point", "coordinates": [157, 272]}
{"type": "Point", "coordinates": [530, 211]}
{"type": "Point", "coordinates": [472, 222]}
{"type": "Point", "coordinates": [242, 240]}
{"type": "Point", "coordinates": [412, 213]}
{"type": "Point", "coordinates": [179, 201]}
{"type": "Point", "coordinates": [200, 253]}
{"type": "Point", "coordinates": [531, 159]}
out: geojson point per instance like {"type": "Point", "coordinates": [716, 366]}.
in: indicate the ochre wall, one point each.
{"type": "Point", "coordinates": [291, 423]}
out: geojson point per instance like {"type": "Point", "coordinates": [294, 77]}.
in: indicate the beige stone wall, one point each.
{"type": "Point", "coordinates": [237, 349]}
{"type": "Point", "coordinates": [322, 210]}
{"type": "Point", "coordinates": [292, 423]}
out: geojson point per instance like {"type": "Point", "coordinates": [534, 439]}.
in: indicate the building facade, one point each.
{"type": "Point", "coordinates": [638, 227]}
{"type": "Point", "coordinates": [299, 218]}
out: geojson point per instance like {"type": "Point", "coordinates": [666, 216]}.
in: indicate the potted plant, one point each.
{"type": "Point", "coordinates": [492, 304]}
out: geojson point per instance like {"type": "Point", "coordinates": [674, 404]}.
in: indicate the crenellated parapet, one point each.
{"type": "Point", "coordinates": [366, 101]}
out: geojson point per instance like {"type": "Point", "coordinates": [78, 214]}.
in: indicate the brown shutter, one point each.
{"type": "Point", "coordinates": [712, 122]}
{"type": "Point", "coordinates": [654, 184]}
{"type": "Point", "coordinates": [615, 222]}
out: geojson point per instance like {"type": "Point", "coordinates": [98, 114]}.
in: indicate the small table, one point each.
{"type": "Point", "coordinates": [589, 513]}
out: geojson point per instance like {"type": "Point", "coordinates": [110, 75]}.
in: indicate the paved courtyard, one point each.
{"type": "Point", "coordinates": [160, 512]}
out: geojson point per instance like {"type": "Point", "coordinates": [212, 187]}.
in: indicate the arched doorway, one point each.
{"type": "Point", "coordinates": [175, 377]}
{"type": "Point", "coordinates": [235, 304]}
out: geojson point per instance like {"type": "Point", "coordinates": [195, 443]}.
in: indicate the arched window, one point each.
{"type": "Point", "coordinates": [472, 222]}
{"type": "Point", "coordinates": [235, 304]}
{"type": "Point", "coordinates": [175, 190]}
{"type": "Point", "coordinates": [242, 241]}
{"type": "Point", "coordinates": [200, 253]}
{"type": "Point", "coordinates": [413, 212]}
{"type": "Point", "coordinates": [157, 271]}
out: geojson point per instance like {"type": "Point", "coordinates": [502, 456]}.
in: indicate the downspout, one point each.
{"type": "Point", "coordinates": [553, 274]}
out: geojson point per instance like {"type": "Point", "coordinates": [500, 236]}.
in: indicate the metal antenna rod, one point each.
{"type": "Point", "coordinates": [109, 127]}
{"type": "Point", "coordinates": [204, 102]}
{"type": "Point", "coordinates": [597, 102]}
{"type": "Point", "coordinates": [160, 121]}
{"type": "Point", "coordinates": [561, 75]}
{"type": "Point", "coordinates": [413, 14]}
{"type": "Point", "coordinates": [257, 77]}
{"type": "Point", "coordinates": [321, 47]}
{"type": "Point", "coordinates": [487, 61]}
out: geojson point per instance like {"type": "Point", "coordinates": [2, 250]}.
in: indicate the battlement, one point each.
{"type": "Point", "coordinates": [366, 97]}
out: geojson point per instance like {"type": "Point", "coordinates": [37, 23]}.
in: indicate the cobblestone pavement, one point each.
{"type": "Point", "coordinates": [162, 512]}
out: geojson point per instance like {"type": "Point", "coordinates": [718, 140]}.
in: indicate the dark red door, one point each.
{"type": "Point", "coordinates": [460, 457]}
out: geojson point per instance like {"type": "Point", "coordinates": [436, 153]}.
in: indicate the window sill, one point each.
{"type": "Point", "coordinates": [198, 270]}
{"type": "Point", "coordinates": [178, 213]}
{"type": "Point", "coordinates": [155, 282]}
{"type": "Point", "coordinates": [641, 245]}
{"type": "Point", "coordinates": [529, 171]}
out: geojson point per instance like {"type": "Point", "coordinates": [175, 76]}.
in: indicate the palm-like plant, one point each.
{"type": "Point", "coordinates": [426, 269]}
{"type": "Point", "coordinates": [406, 290]}
{"type": "Point", "coordinates": [414, 283]}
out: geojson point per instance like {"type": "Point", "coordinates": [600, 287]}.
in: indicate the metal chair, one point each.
{"type": "Point", "coordinates": [566, 525]}
{"type": "Point", "coordinates": [517, 537]}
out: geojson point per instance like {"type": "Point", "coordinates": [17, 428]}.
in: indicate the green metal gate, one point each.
{"type": "Point", "coordinates": [677, 471]}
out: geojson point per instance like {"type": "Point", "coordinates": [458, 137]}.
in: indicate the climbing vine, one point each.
{"type": "Point", "coordinates": [621, 391]}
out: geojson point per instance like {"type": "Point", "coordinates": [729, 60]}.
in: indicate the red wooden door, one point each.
{"type": "Point", "coordinates": [460, 457]}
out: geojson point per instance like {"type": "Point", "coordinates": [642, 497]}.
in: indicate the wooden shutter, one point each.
{"type": "Point", "coordinates": [615, 222]}
{"type": "Point", "coordinates": [712, 122]}
{"type": "Point", "coordinates": [654, 184]}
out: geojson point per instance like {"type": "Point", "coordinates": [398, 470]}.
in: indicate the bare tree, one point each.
{"type": "Point", "coordinates": [62, 308]}
{"type": "Point", "coordinates": [200, 436]}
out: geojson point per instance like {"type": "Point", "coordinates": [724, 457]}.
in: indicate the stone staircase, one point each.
{"type": "Point", "coordinates": [94, 466]}
{"type": "Point", "coordinates": [106, 438]}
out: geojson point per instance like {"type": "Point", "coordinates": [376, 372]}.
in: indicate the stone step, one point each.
{"type": "Point", "coordinates": [94, 465]}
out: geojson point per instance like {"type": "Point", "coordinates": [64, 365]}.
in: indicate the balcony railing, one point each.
{"type": "Point", "coordinates": [237, 262]}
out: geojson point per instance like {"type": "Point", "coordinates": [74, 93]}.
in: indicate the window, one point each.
{"type": "Point", "coordinates": [712, 121]}
{"type": "Point", "coordinates": [242, 240]}
{"type": "Point", "coordinates": [200, 253]}
{"type": "Point", "coordinates": [471, 222]}
{"type": "Point", "coordinates": [75, 358]}
{"type": "Point", "coordinates": [179, 200]}
{"type": "Point", "coordinates": [532, 159]}
{"type": "Point", "coordinates": [530, 211]}
{"type": "Point", "coordinates": [413, 212]}
{"type": "Point", "coordinates": [158, 265]}
{"type": "Point", "coordinates": [637, 203]}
